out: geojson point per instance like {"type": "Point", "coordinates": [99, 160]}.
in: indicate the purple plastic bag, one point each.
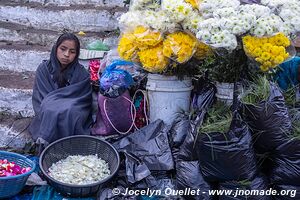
{"type": "Point", "coordinates": [114, 115]}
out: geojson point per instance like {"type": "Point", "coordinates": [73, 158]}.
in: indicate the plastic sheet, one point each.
{"type": "Point", "coordinates": [188, 175]}
{"type": "Point", "coordinates": [259, 183]}
{"type": "Point", "coordinates": [294, 192]}
{"type": "Point", "coordinates": [180, 129]}
{"type": "Point", "coordinates": [97, 45]}
{"type": "Point", "coordinates": [151, 145]}
{"type": "Point", "coordinates": [286, 163]}
{"type": "Point", "coordinates": [269, 120]}
{"type": "Point", "coordinates": [227, 156]}
{"type": "Point", "coordinates": [203, 98]}
{"type": "Point", "coordinates": [48, 193]}
{"type": "Point", "coordinates": [113, 81]}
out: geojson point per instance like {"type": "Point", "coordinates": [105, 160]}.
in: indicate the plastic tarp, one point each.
{"type": "Point", "coordinates": [259, 183]}
{"type": "Point", "coordinates": [286, 163]}
{"type": "Point", "coordinates": [188, 175]}
{"type": "Point", "coordinates": [227, 156]}
{"type": "Point", "coordinates": [269, 120]}
{"type": "Point", "coordinates": [294, 192]}
{"type": "Point", "coordinates": [151, 145]}
{"type": "Point", "coordinates": [48, 193]}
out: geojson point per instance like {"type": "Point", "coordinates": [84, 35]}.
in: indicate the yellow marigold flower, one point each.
{"type": "Point", "coordinates": [269, 52]}
{"type": "Point", "coordinates": [202, 51]}
{"type": "Point", "coordinates": [194, 3]}
{"type": "Point", "coordinates": [263, 40]}
{"type": "Point", "coordinates": [153, 60]}
{"type": "Point", "coordinates": [267, 47]}
{"type": "Point", "coordinates": [275, 50]}
{"type": "Point", "coordinates": [265, 56]}
{"type": "Point", "coordinates": [180, 46]}
{"type": "Point", "coordinates": [281, 40]}
{"type": "Point", "coordinates": [127, 47]}
{"type": "Point", "coordinates": [268, 64]}
{"type": "Point", "coordinates": [264, 68]}
{"type": "Point", "coordinates": [278, 59]}
{"type": "Point", "coordinates": [257, 52]}
{"type": "Point", "coordinates": [147, 38]}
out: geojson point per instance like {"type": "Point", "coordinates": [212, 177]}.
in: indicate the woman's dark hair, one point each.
{"type": "Point", "coordinates": [69, 36]}
{"type": "Point", "coordinates": [59, 75]}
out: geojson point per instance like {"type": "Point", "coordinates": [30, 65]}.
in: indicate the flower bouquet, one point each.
{"type": "Point", "coordinates": [183, 37]}
{"type": "Point", "coordinates": [164, 39]}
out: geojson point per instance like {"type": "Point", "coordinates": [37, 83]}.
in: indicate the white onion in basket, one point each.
{"type": "Point", "coordinates": [80, 170]}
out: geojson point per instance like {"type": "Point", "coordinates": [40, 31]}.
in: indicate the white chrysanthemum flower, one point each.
{"type": "Point", "coordinates": [256, 10]}
{"type": "Point", "coordinates": [130, 20]}
{"type": "Point", "coordinates": [208, 7]}
{"type": "Point", "coordinates": [267, 26]}
{"type": "Point", "coordinates": [159, 21]}
{"type": "Point", "coordinates": [178, 10]}
{"type": "Point", "coordinates": [192, 21]}
{"type": "Point", "coordinates": [224, 12]}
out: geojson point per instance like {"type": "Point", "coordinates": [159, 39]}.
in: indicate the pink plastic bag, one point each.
{"type": "Point", "coordinates": [115, 115]}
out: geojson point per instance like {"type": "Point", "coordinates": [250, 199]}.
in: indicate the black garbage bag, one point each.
{"type": "Point", "coordinates": [115, 193]}
{"type": "Point", "coordinates": [203, 98]}
{"type": "Point", "coordinates": [246, 190]}
{"type": "Point", "coordinates": [151, 145]}
{"type": "Point", "coordinates": [286, 163]}
{"type": "Point", "coordinates": [136, 170]}
{"type": "Point", "coordinates": [134, 175]}
{"type": "Point", "coordinates": [178, 132]}
{"type": "Point", "coordinates": [269, 121]}
{"type": "Point", "coordinates": [204, 95]}
{"type": "Point", "coordinates": [188, 176]}
{"type": "Point", "coordinates": [287, 192]}
{"type": "Point", "coordinates": [227, 156]}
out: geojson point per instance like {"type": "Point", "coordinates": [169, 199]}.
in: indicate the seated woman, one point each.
{"type": "Point", "coordinates": [62, 94]}
{"type": "Point", "coordinates": [289, 73]}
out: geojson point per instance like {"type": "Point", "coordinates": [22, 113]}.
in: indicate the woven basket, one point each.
{"type": "Point", "coordinates": [79, 145]}
{"type": "Point", "coordinates": [12, 185]}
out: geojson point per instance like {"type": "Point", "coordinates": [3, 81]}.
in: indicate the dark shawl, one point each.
{"type": "Point", "coordinates": [65, 111]}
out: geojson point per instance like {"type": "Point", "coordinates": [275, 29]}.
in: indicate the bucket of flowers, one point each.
{"type": "Point", "coordinates": [164, 44]}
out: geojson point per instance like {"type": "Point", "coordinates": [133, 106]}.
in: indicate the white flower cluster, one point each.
{"type": "Point", "coordinates": [290, 13]}
{"type": "Point", "coordinates": [143, 4]}
{"type": "Point", "coordinates": [274, 4]}
{"type": "Point", "coordinates": [256, 10]}
{"type": "Point", "coordinates": [224, 26]}
{"type": "Point", "coordinates": [191, 22]}
{"type": "Point", "coordinates": [267, 26]}
{"type": "Point", "coordinates": [178, 10]}
{"type": "Point", "coordinates": [211, 33]}
{"type": "Point", "coordinates": [159, 20]}
{"type": "Point", "coordinates": [80, 170]}
{"type": "Point", "coordinates": [130, 20]}
{"type": "Point", "coordinates": [207, 7]}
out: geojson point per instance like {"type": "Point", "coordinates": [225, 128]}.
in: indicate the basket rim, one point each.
{"type": "Point", "coordinates": [79, 186]}
{"type": "Point", "coordinates": [20, 157]}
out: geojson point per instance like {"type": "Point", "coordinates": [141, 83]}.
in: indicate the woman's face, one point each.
{"type": "Point", "coordinates": [66, 52]}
